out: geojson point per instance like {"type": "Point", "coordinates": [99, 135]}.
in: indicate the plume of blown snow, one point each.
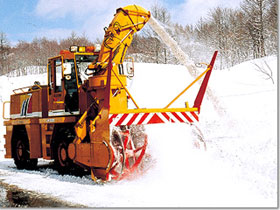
{"type": "Point", "coordinates": [185, 60]}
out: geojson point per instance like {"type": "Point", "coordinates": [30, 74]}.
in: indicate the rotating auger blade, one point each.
{"type": "Point", "coordinates": [129, 151]}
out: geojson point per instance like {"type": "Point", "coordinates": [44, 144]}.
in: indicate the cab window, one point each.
{"type": "Point", "coordinates": [58, 75]}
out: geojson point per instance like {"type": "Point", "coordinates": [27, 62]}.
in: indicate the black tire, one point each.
{"type": "Point", "coordinates": [22, 155]}
{"type": "Point", "coordinates": [63, 163]}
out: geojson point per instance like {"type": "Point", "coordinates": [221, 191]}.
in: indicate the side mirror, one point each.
{"type": "Point", "coordinates": [129, 67]}
{"type": "Point", "coordinates": [66, 68]}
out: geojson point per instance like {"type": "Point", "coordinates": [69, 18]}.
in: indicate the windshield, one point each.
{"type": "Point", "coordinates": [82, 63]}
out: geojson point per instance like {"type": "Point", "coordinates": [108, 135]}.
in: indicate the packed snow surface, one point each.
{"type": "Point", "coordinates": [238, 169]}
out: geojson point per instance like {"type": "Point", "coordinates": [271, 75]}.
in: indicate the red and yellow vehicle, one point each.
{"type": "Point", "coordinates": [81, 117]}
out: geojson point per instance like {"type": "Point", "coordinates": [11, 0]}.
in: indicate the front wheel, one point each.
{"type": "Point", "coordinates": [62, 161]}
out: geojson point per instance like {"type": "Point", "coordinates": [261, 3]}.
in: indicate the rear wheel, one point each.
{"type": "Point", "coordinates": [22, 155]}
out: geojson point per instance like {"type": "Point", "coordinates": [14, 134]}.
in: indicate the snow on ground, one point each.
{"type": "Point", "coordinates": [239, 168]}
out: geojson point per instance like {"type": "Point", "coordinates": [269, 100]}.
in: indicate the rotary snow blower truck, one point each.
{"type": "Point", "coordinates": [81, 117]}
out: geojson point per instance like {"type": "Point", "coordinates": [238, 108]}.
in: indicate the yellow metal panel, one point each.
{"type": "Point", "coordinates": [128, 111]}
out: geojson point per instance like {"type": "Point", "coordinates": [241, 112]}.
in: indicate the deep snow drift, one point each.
{"type": "Point", "coordinates": [239, 168]}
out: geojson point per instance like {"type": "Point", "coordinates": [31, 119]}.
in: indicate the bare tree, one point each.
{"type": "Point", "coordinates": [240, 34]}
{"type": "Point", "coordinates": [265, 70]}
{"type": "Point", "coordinates": [39, 50]}
{"type": "Point", "coordinates": [238, 45]}
{"type": "Point", "coordinates": [254, 11]}
{"type": "Point", "coordinates": [271, 27]}
{"type": "Point", "coordinates": [223, 30]}
{"type": "Point", "coordinates": [4, 53]}
{"type": "Point", "coordinates": [74, 39]}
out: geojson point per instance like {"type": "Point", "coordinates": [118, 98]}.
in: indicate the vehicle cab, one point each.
{"type": "Point", "coordinates": [66, 74]}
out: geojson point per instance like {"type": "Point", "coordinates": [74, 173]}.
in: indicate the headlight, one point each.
{"type": "Point", "coordinates": [73, 48]}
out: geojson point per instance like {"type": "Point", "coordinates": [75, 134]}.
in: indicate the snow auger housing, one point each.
{"type": "Point", "coordinates": [86, 121]}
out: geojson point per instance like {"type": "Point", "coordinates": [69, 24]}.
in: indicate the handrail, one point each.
{"type": "Point", "coordinates": [3, 113]}
{"type": "Point", "coordinates": [29, 89]}
{"type": "Point", "coordinates": [203, 86]}
{"type": "Point", "coordinates": [190, 85]}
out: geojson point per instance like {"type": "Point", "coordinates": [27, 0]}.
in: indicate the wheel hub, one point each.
{"type": "Point", "coordinates": [20, 150]}
{"type": "Point", "coordinates": [63, 154]}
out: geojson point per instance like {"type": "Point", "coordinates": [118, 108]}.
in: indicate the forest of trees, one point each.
{"type": "Point", "coordinates": [241, 34]}
{"type": "Point", "coordinates": [35, 53]}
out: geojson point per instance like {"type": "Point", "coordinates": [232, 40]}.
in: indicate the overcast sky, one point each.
{"type": "Point", "coordinates": [56, 19]}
